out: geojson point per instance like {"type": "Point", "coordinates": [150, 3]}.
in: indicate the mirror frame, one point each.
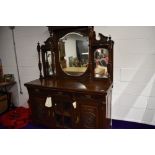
{"type": "Point", "coordinates": [106, 43]}
{"type": "Point", "coordinates": [51, 44]}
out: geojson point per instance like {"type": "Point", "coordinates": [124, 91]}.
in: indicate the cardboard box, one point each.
{"type": "Point", "coordinates": [3, 103]}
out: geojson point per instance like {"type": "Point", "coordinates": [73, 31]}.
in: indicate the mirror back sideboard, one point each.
{"type": "Point", "coordinates": [77, 93]}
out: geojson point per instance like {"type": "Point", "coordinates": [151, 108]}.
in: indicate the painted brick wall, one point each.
{"type": "Point", "coordinates": [134, 73]}
{"type": "Point", "coordinates": [134, 61]}
{"type": "Point", "coordinates": [26, 41]}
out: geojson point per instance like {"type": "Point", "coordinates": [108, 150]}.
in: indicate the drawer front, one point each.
{"type": "Point", "coordinates": [75, 95]}
{"type": "Point", "coordinates": [48, 93]}
{"type": "Point", "coordinates": [39, 92]}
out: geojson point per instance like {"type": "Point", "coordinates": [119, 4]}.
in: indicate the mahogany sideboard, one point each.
{"type": "Point", "coordinates": [93, 103]}
{"type": "Point", "coordinates": [76, 101]}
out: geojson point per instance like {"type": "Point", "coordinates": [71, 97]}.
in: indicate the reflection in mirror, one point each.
{"type": "Point", "coordinates": [74, 53]}
{"type": "Point", "coordinates": [49, 62]}
{"type": "Point", "coordinates": [101, 57]}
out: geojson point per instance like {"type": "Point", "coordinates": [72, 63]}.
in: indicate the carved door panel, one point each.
{"type": "Point", "coordinates": [88, 114]}
{"type": "Point", "coordinates": [88, 117]}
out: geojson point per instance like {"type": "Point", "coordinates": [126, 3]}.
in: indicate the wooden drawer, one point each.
{"type": "Point", "coordinates": [48, 93]}
{"type": "Point", "coordinates": [39, 92]}
{"type": "Point", "coordinates": [90, 99]}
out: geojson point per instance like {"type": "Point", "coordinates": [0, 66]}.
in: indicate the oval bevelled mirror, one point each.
{"type": "Point", "coordinates": [74, 53]}
{"type": "Point", "coordinates": [101, 57]}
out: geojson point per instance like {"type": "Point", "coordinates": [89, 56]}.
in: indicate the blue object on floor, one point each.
{"type": "Point", "coordinates": [118, 124]}
{"type": "Point", "coordinates": [31, 126]}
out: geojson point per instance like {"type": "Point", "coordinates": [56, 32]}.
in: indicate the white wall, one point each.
{"type": "Point", "coordinates": [134, 73]}
{"type": "Point", "coordinates": [26, 41]}
{"type": "Point", "coordinates": [134, 61]}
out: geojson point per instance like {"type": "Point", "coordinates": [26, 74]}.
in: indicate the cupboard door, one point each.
{"type": "Point", "coordinates": [88, 117]}
{"type": "Point", "coordinates": [41, 114]}
{"type": "Point", "coordinates": [88, 113]}
{"type": "Point", "coordinates": [63, 111]}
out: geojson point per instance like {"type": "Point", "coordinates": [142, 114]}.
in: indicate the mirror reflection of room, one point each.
{"type": "Point", "coordinates": [49, 60]}
{"type": "Point", "coordinates": [74, 53]}
{"type": "Point", "coordinates": [101, 57]}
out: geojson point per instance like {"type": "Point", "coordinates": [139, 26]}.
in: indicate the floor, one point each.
{"type": "Point", "coordinates": [116, 124]}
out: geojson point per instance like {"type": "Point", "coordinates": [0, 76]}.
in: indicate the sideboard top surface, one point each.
{"type": "Point", "coordinates": [69, 85]}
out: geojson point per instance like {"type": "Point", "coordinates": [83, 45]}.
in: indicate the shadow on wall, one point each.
{"type": "Point", "coordinates": [128, 105]}
{"type": "Point", "coordinates": [149, 115]}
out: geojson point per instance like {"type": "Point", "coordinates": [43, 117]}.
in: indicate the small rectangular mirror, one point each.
{"type": "Point", "coordinates": [101, 60]}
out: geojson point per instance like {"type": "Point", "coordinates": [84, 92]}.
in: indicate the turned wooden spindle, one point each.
{"type": "Point", "coordinates": [39, 63]}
